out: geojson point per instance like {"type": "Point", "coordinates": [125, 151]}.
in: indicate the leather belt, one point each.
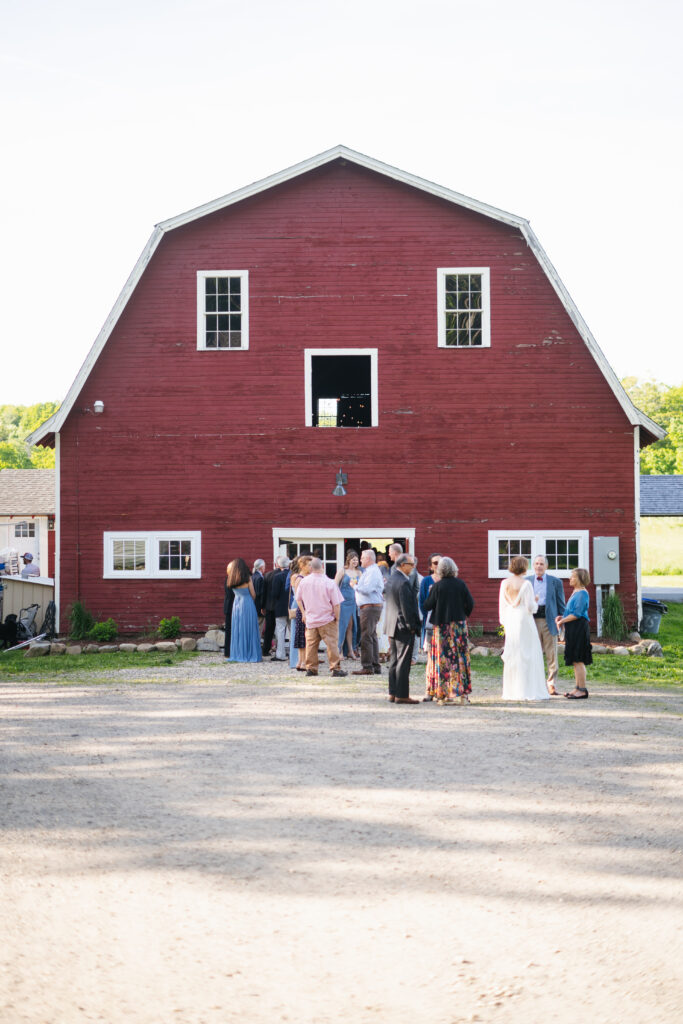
{"type": "Point", "coordinates": [540, 612]}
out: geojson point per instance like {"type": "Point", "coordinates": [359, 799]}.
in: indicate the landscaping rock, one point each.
{"type": "Point", "coordinates": [621, 650]}
{"type": "Point", "coordinates": [74, 649]}
{"type": "Point", "coordinates": [128, 648]}
{"type": "Point", "coordinates": [639, 649]}
{"type": "Point", "coordinates": [210, 629]}
{"type": "Point", "coordinates": [655, 650]}
{"type": "Point", "coordinates": [207, 645]}
{"type": "Point", "coordinates": [167, 645]}
{"type": "Point", "coordinates": [91, 649]}
{"type": "Point", "coordinates": [37, 650]}
{"type": "Point", "coordinates": [146, 648]}
{"type": "Point", "coordinates": [599, 649]}
{"type": "Point", "coordinates": [482, 651]}
{"type": "Point", "coordinates": [216, 636]}
{"type": "Point", "coordinates": [57, 648]}
{"type": "Point", "coordinates": [108, 648]}
{"type": "Point", "coordinates": [187, 643]}
{"type": "Point", "coordinates": [634, 637]}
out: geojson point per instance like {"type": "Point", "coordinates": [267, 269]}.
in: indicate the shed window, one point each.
{"type": "Point", "coordinates": [25, 530]}
{"type": "Point", "coordinates": [222, 309]}
{"type": "Point", "coordinates": [464, 307]}
{"type": "Point", "coordinates": [341, 387]}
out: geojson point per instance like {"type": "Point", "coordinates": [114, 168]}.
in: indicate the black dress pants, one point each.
{"type": "Point", "coordinates": [400, 657]}
{"type": "Point", "coordinates": [268, 633]}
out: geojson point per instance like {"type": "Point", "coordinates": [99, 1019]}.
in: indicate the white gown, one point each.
{"type": "Point", "coordinates": [523, 673]}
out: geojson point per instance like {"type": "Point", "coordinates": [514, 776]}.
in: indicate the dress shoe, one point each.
{"type": "Point", "coordinates": [309, 673]}
{"type": "Point", "coordinates": [406, 700]}
{"type": "Point", "coordinates": [339, 672]}
{"type": "Point", "coordinates": [377, 671]}
{"type": "Point", "coordinates": [363, 672]}
{"type": "Point", "coordinates": [391, 698]}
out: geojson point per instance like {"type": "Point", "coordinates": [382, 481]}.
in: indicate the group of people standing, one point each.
{"type": "Point", "coordinates": [367, 602]}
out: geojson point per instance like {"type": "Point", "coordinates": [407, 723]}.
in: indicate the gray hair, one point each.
{"type": "Point", "coordinates": [446, 568]}
{"type": "Point", "coordinates": [402, 559]}
{"type": "Point", "coordinates": [370, 553]}
{"type": "Point", "coordinates": [316, 565]}
{"type": "Point", "coordinates": [282, 562]}
{"type": "Point", "coordinates": [396, 547]}
{"type": "Point", "coordinates": [259, 565]}
{"type": "Point", "coordinates": [544, 559]}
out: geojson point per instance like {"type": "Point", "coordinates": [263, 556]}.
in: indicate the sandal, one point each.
{"type": "Point", "coordinates": [581, 695]}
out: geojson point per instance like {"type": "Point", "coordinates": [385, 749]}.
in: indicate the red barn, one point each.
{"type": "Point", "coordinates": [340, 315]}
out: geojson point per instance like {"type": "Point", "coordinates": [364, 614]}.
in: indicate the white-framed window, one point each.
{"type": "Point", "coordinates": [464, 307]}
{"type": "Point", "coordinates": [160, 555]}
{"type": "Point", "coordinates": [564, 549]}
{"type": "Point", "coordinates": [222, 309]}
{"type": "Point", "coordinates": [24, 529]}
{"type": "Point", "coordinates": [341, 387]}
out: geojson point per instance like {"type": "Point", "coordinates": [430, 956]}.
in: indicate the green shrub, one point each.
{"type": "Point", "coordinates": [613, 620]}
{"type": "Point", "coordinates": [106, 630]}
{"type": "Point", "coordinates": [81, 621]}
{"type": "Point", "coordinates": [475, 629]}
{"type": "Point", "coordinates": [169, 629]}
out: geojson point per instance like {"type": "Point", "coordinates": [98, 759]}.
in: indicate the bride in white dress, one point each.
{"type": "Point", "coordinates": [523, 673]}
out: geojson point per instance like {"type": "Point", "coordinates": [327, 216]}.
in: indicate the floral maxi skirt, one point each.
{"type": "Point", "coordinates": [448, 663]}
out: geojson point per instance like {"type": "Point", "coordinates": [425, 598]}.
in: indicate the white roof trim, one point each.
{"type": "Point", "coordinates": [635, 417]}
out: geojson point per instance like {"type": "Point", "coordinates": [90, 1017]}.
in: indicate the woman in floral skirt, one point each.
{"type": "Point", "coordinates": [448, 663]}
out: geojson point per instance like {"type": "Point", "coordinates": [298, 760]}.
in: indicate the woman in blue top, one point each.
{"type": "Point", "coordinates": [245, 641]}
{"type": "Point", "coordinates": [426, 585]}
{"type": "Point", "coordinates": [577, 651]}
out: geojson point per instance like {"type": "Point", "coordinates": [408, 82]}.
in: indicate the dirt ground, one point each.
{"type": "Point", "coordinates": [208, 843]}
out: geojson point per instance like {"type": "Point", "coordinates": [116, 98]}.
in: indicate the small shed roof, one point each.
{"type": "Point", "coordinates": [27, 492]}
{"type": "Point", "coordinates": [661, 495]}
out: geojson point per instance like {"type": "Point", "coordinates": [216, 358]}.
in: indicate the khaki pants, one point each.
{"type": "Point", "coordinates": [549, 645]}
{"type": "Point", "coordinates": [329, 634]}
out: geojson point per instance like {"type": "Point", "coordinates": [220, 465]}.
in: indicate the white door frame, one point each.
{"type": "Point", "coordinates": [338, 534]}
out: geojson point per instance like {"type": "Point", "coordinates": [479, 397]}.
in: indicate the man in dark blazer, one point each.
{"type": "Point", "coordinates": [402, 623]}
{"type": "Point", "coordinates": [549, 594]}
{"type": "Point", "coordinates": [275, 608]}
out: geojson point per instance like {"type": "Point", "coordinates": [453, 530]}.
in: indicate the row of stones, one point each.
{"type": "Point", "coordinates": [38, 650]}
{"type": "Point", "coordinates": [651, 648]}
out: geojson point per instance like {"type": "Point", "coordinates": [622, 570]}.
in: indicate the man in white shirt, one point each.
{"type": "Point", "coordinates": [370, 601]}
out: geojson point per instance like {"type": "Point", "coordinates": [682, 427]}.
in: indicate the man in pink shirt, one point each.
{"type": "Point", "coordinates": [320, 599]}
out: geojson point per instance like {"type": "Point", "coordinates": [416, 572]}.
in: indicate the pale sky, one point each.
{"type": "Point", "coordinates": [120, 114]}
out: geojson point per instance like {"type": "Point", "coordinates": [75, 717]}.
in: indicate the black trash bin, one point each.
{"type": "Point", "coordinates": [652, 615]}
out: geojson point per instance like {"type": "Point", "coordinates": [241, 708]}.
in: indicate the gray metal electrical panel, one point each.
{"type": "Point", "coordinates": [605, 560]}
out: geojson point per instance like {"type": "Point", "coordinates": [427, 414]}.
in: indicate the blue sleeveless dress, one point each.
{"type": "Point", "coordinates": [245, 644]}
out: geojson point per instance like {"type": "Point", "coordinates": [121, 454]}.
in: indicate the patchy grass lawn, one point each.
{"type": "Point", "coordinates": [631, 670]}
{"type": "Point", "coordinates": [661, 546]}
{"type": "Point", "coordinates": [36, 670]}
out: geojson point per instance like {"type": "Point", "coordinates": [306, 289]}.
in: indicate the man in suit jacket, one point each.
{"type": "Point", "coordinates": [549, 593]}
{"type": "Point", "coordinates": [275, 608]}
{"type": "Point", "coordinates": [402, 623]}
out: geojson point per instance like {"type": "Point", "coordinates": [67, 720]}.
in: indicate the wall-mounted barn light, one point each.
{"type": "Point", "coordinates": [339, 491]}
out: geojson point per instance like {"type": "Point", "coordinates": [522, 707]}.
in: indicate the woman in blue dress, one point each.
{"type": "Point", "coordinates": [426, 585]}
{"type": "Point", "coordinates": [577, 638]}
{"type": "Point", "coordinates": [245, 642]}
{"type": "Point", "coordinates": [347, 611]}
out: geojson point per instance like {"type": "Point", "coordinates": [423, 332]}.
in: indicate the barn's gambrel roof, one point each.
{"type": "Point", "coordinates": [634, 415]}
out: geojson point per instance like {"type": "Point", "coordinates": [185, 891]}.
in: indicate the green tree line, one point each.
{"type": "Point", "coordinates": [16, 423]}
{"type": "Point", "coordinates": [664, 405]}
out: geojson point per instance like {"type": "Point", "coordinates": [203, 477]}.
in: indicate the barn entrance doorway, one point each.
{"type": "Point", "coordinates": [331, 545]}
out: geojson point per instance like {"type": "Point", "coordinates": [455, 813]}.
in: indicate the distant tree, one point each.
{"type": "Point", "coordinates": [16, 423]}
{"type": "Point", "coordinates": [664, 405]}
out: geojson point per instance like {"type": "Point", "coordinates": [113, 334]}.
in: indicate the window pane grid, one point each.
{"type": "Point", "coordinates": [129, 556]}
{"type": "Point", "coordinates": [463, 300]}
{"type": "Point", "coordinates": [175, 556]}
{"type": "Point", "coordinates": [562, 553]}
{"type": "Point", "coordinates": [223, 312]}
{"type": "Point", "coordinates": [25, 530]}
{"type": "Point", "coordinates": [510, 547]}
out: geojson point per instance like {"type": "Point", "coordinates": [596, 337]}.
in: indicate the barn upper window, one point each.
{"type": "Point", "coordinates": [341, 387]}
{"type": "Point", "coordinates": [464, 307]}
{"type": "Point", "coordinates": [222, 309]}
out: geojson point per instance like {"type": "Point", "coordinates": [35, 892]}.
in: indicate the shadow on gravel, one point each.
{"type": "Point", "coordinates": [294, 790]}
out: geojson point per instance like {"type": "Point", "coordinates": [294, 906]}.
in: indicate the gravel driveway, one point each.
{"type": "Point", "coordinates": [207, 843]}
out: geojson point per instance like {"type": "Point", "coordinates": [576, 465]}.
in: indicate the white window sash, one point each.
{"type": "Point", "coordinates": [538, 539]}
{"type": "Point", "coordinates": [152, 570]}
{"type": "Point", "coordinates": [201, 308]}
{"type": "Point", "coordinates": [441, 274]}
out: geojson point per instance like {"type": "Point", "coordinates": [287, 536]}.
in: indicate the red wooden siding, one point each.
{"type": "Point", "coordinates": [524, 435]}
